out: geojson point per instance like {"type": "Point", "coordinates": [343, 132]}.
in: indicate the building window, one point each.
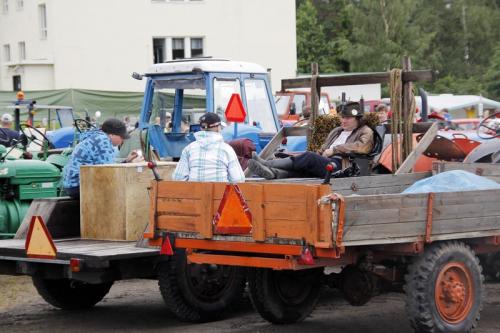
{"type": "Point", "coordinates": [20, 4]}
{"type": "Point", "coordinates": [6, 52]}
{"type": "Point", "coordinates": [159, 50]}
{"type": "Point", "coordinates": [196, 47]}
{"type": "Point", "coordinates": [178, 48]}
{"type": "Point", "coordinates": [22, 51]}
{"type": "Point", "coordinates": [42, 14]}
{"type": "Point", "coordinates": [5, 6]}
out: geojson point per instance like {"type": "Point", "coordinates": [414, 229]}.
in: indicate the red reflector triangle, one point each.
{"type": "Point", "coordinates": [233, 215]}
{"type": "Point", "coordinates": [166, 247]}
{"type": "Point", "coordinates": [39, 243]}
{"type": "Point", "coordinates": [235, 111]}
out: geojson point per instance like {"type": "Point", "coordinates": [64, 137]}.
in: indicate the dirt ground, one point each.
{"type": "Point", "coordinates": [136, 306]}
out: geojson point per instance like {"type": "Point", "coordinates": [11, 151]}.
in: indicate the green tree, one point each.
{"type": "Point", "coordinates": [384, 31]}
{"type": "Point", "coordinates": [492, 76]}
{"type": "Point", "coordinates": [312, 45]}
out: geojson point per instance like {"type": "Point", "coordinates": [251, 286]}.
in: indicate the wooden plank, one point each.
{"type": "Point", "coordinates": [312, 214]}
{"type": "Point", "coordinates": [177, 223]}
{"type": "Point", "coordinates": [466, 224]}
{"type": "Point", "coordinates": [354, 79]}
{"type": "Point", "coordinates": [419, 150]}
{"type": "Point", "coordinates": [293, 211]}
{"type": "Point", "coordinates": [256, 205]}
{"type": "Point", "coordinates": [325, 220]}
{"type": "Point", "coordinates": [178, 190]}
{"type": "Point", "coordinates": [204, 222]}
{"type": "Point", "coordinates": [382, 231]}
{"type": "Point", "coordinates": [287, 229]}
{"type": "Point", "coordinates": [491, 171]}
{"type": "Point", "coordinates": [174, 206]}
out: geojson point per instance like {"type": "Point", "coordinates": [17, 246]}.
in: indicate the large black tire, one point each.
{"type": "Point", "coordinates": [444, 288]}
{"type": "Point", "coordinates": [284, 297]}
{"type": "Point", "coordinates": [199, 293]}
{"type": "Point", "coordinates": [69, 294]}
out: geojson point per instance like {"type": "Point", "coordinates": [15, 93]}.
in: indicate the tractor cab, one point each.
{"type": "Point", "coordinates": [179, 92]}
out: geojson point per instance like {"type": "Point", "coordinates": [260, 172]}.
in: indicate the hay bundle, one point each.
{"type": "Point", "coordinates": [326, 123]}
{"type": "Point", "coordinates": [321, 128]}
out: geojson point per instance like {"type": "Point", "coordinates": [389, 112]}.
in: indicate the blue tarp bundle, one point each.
{"type": "Point", "coordinates": [452, 181]}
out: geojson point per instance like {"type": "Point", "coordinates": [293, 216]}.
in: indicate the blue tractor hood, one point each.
{"type": "Point", "coordinates": [62, 138]}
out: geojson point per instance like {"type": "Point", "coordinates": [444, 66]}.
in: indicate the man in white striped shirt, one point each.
{"type": "Point", "coordinates": [209, 158]}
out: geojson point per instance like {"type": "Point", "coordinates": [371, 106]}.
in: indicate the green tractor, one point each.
{"type": "Point", "coordinates": [21, 181]}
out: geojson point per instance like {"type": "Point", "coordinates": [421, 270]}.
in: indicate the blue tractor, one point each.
{"type": "Point", "coordinates": [179, 92]}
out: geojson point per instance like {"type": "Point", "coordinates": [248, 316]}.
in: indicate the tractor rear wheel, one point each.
{"type": "Point", "coordinates": [443, 289]}
{"type": "Point", "coordinates": [284, 297]}
{"type": "Point", "coordinates": [70, 294]}
{"type": "Point", "coordinates": [199, 293]}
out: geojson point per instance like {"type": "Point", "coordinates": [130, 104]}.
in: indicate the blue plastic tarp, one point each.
{"type": "Point", "coordinates": [452, 181]}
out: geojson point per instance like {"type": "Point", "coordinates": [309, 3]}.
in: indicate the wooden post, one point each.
{"type": "Point", "coordinates": [407, 143]}
{"type": "Point", "coordinates": [314, 98]}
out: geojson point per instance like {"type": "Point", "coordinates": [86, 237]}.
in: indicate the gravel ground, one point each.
{"type": "Point", "coordinates": [136, 306]}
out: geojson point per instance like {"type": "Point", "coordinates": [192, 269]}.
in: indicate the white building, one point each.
{"type": "Point", "coordinates": [97, 44]}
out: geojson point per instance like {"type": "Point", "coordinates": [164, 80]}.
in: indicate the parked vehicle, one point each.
{"type": "Point", "coordinates": [211, 82]}
{"type": "Point", "coordinates": [290, 105]}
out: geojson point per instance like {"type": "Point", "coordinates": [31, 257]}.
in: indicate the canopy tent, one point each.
{"type": "Point", "coordinates": [110, 103]}
{"type": "Point", "coordinates": [459, 106]}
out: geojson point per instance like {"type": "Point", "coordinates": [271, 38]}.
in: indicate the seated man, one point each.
{"type": "Point", "coordinates": [7, 135]}
{"type": "Point", "coordinates": [353, 136]}
{"type": "Point", "coordinates": [209, 158]}
{"type": "Point", "coordinates": [95, 147]}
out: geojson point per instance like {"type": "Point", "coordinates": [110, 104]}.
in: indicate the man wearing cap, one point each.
{"type": "Point", "coordinates": [95, 147]}
{"type": "Point", "coordinates": [352, 136]}
{"type": "Point", "coordinates": [7, 135]}
{"type": "Point", "coordinates": [209, 158]}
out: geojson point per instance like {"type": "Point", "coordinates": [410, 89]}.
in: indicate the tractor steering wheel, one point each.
{"type": "Point", "coordinates": [31, 137]}
{"type": "Point", "coordinates": [495, 131]}
{"type": "Point", "coordinates": [83, 125]}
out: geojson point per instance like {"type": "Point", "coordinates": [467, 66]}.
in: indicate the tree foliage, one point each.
{"type": "Point", "coordinates": [456, 38]}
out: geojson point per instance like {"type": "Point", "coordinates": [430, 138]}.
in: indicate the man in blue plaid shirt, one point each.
{"type": "Point", "coordinates": [209, 158]}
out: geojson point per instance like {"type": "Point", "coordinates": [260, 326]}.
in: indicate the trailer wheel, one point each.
{"type": "Point", "coordinates": [284, 297]}
{"type": "Point", "coordinates": [70, 294]}
{"type": "Point", "coordinates": [443, 289]}
{"type": "Point", "coordinates": [199, 293]}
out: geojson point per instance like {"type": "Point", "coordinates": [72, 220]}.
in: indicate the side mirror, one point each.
{"type": "Point", "coordinates": [293, 109]}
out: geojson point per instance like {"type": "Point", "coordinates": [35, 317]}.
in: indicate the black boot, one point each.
{"type": "Point", "coordinates": [280, 163]}
{"type": "Point", "coordinates": [260, 169]}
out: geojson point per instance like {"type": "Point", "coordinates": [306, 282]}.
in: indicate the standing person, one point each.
{"type": "Point", "coordinates": [95, 147]}
{"type": "Point", "coordinates": [352, 136]}
{"type": "Point", "coordinates": [209, 158]}
{"type": "Point", "coordinates": [382, 113]}
{"type": "Point", "coordinates": [7, 135]}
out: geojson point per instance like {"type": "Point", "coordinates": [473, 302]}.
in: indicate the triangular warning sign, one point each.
{"type": "Point", "coordinates": [235, 111]}
{"type": "Point", "coordinates": [233, 215]}
{"type": "Point", "coordinates": [39, 243]}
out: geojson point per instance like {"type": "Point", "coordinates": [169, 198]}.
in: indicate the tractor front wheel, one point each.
{"type": "Point", "coordinates": [284, 297]}
{"type": "Point", "coordinates": [443, 289]}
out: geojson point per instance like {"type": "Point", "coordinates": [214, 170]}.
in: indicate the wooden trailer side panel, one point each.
{"type": "Point", "coordinates": [491, 171]}
{"type": "Point", "coordinates": [397, 218]}
{"type": "Point", "coordinates": [289, 211]}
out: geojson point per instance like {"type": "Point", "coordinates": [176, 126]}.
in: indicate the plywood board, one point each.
{"type": "Point", "coordinates": [115, 199]}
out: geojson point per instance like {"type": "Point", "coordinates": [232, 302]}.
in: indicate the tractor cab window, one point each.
{"type": "Point", "coordinates": [300, 103]}
{"type": "Point", "coordinates": [189, 93]}
{"type": "Point", "coordinates": [223, 90]}
{"type": "Point", "coordinates": [259, 110]}
{"type": "Point", "coordinates": [281, 104]}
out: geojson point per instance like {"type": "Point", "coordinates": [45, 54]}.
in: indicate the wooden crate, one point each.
{"type": "Point", "coordinates": [114, 199]}
{"type": "Point", "coordinates": [289, 211]}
